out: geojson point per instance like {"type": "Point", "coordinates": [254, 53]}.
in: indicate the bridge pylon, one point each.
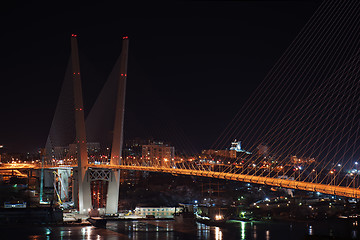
{"type": "Point", "coordinates": [116, 150]}
{"type": "Point", "coordinates": [83, 201]}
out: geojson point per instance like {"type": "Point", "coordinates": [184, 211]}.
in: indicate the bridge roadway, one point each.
{"type": "Point", "coordinates": [277, 182]}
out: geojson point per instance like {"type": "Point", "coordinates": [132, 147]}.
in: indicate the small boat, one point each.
{"type": "Point", "coordinates": [212, 215]}
{"type": "Point", "coordinates": [97, 222]}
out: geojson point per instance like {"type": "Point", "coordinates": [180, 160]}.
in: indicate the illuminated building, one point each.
{"type": "Point", "coordinates": [158, 153]}
{"type": "Point", "coordinates": [233, 152]}
{"type": "Point", "coordinates": [157, 212]}
{"type": "Point", "coordinates": [220, 153]}
{"type": "Point", "coordinates": [69, 152]}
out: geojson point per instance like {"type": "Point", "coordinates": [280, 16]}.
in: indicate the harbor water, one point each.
{"type": "Point", "coordinates": [169, 230]}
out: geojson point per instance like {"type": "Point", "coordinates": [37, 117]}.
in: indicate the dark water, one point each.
{"type": "Point", "coordinates": [170, 231]}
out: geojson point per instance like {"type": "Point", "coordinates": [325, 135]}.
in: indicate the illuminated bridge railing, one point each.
{"type": "Point", "coordinates": [206, 171]}
{"type": "Point", "coordinates": [278, 182]}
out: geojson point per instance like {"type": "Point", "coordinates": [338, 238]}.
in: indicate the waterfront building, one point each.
{"type": "Point", "coordinates": [157, 212]}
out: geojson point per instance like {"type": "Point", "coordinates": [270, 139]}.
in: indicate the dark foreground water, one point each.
{"type": "Point", "coordinates": [168, 230]}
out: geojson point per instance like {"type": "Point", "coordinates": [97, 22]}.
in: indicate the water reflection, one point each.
{"type": "Point", "coordinates": [267, 235]}
{"type": "Point", "coordinates": [242, 230]}
{"type": "Point", "coordinates": [354, 234]}
{"type": "Point", "coordinates": [254, 232]}
{"type": "Point", "coordinates": [169, 230]}
{"type": "Point", "coordinates": [203, 231]}
{"type": "Point", "coordinates": [310, 230]}
{"type": "Point", "coordinates": [218, 233]}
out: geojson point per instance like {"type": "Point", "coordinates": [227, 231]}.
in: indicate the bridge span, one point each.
{"type": "Point", "coordinates": [277, 182]}
{"type": "Point", "coordinates": [270, 181]}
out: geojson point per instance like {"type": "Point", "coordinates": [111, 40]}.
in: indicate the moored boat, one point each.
{"type": "Point", "coordinates": [97, 222]}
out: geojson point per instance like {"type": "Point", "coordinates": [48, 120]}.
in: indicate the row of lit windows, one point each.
{"type": "Point", "coordinates": [155, 210]}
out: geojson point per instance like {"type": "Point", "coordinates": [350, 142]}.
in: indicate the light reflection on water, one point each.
{"type": "Point", "coordinates": [267, 235]}
{"type": "Point", "coordinates": [168, 230]}
{"type": "Point", "coordinates": [242, 230]}
{"type": "Point", "coordinates": [203, 231]}
{"type": "Point", "coordinates": [254, 231]}
{"type": "Point", "coordinates": [239, 230]}
{"type": "Point", "coordinates": [218, 233]}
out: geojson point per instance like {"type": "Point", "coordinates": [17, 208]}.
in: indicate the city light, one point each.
{"type": "Point", "coordinates": [219, 217]}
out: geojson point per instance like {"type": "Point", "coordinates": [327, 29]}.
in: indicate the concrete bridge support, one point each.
{"type": "Point", "coordinates": [84, 192]}
{"type": "Point", "coordinates": [114, 184]}
{"type": "Point", "coordinates": [84, 200]}
{"type": "Point", "coordinates": [112, 199]}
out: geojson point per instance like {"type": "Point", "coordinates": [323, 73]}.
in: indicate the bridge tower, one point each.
{"type": "Point", "coordinates": [83, 186]}
{"type": "Point", "coordinates": [117, 142]}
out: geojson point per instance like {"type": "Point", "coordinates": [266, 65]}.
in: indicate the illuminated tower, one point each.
{"type": "Point", "coordinates": [84, 200]}
{"type": "Point", "coordinates": [113, 189]}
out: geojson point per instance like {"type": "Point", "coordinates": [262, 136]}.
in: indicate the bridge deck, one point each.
{"type": "Point", "coordinates": [278, 182]}
{"type": "Point", "coordinates": [306, 186]}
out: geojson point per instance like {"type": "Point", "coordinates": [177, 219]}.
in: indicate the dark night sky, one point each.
{"type": "Point", "coordinates": [192, 64]}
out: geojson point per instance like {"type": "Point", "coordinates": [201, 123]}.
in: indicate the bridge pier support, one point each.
{"type": "Point", "coordinates": [84, 199]}
{"type": "Point", "coordinates": [116, 151]}
{"type": "Point", "coordinates": [113, 192]}
{"type": "Point", "coordinates": [81, 191]}
{"type": "Point", "coordinates": [84, 192]}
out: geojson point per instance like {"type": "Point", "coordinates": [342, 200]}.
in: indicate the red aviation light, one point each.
{"type": "Point", "coordinates": [126, 37]}
{"type": "Point", "coordinates": [122, 74]}
{"type": "Point", "coordinates": [125, 74]}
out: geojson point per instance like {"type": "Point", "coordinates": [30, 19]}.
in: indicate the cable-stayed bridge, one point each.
{"type": "Point", "coordinates": [301, 126]}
